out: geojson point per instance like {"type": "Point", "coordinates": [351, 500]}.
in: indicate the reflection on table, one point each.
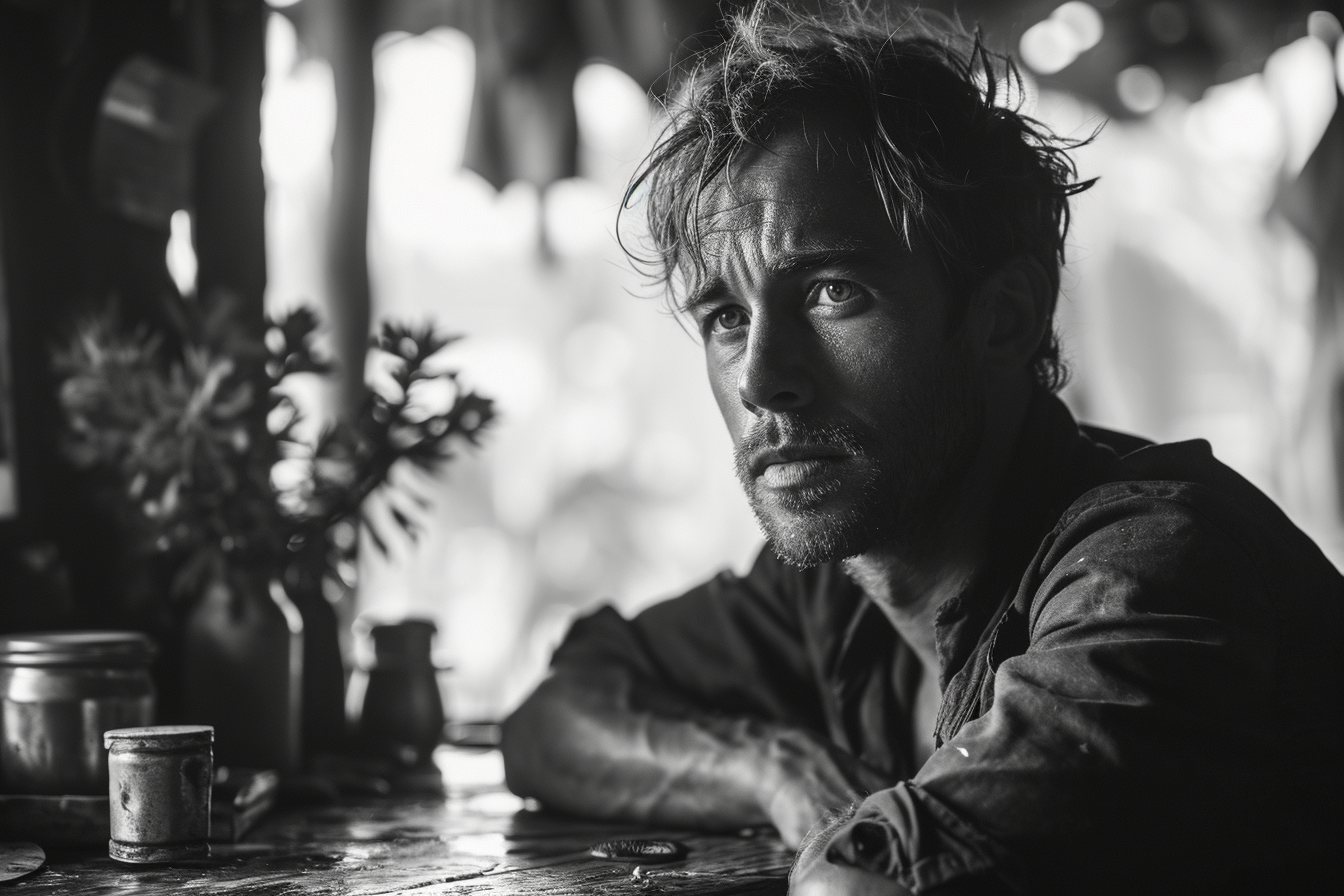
{"type": "Point", "coordinates": [478, 839]}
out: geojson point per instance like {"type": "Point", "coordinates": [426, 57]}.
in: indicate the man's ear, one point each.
{"type": "Point", "coordinates": [1014, 303]}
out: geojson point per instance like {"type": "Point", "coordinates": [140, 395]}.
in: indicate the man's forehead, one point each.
{"type": "Point", "coordinates": [808, 183]}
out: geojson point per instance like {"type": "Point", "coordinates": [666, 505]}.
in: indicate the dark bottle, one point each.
{"type": "Point", "coordinates": [402, 717]}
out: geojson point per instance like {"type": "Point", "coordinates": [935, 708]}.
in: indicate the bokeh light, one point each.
{"type": "Point", "coordinates": [1052, 44]}
{"type": "Point", "coordinates": [1140, 89]}
{"type": "Point", "coordinates": [181, 253]}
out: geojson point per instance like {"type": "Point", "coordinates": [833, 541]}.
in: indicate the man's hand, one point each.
{"type": "Point", "coordinates": [808, 779]}
{"type": "Point", "coordinates": [823, 878]}
{"type": "Point", "coordinates": [814, 875]}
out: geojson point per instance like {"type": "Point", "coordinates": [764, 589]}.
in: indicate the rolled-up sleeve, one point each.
{"type": "Point", "coordinates": [733, 645]}
{"type": "Point", "coordinates": [1128, 742]}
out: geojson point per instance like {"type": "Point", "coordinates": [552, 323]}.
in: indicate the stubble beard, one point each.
{"type": "Point", "coordinates": [897, 490]}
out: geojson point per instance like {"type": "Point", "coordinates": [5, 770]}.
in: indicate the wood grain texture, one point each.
{"type": "Point", "coordinates": [478, 840]}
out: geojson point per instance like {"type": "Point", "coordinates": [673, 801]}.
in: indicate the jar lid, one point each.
{"type": "Point", "coordinates": [160, 737]}
{"type": "Point", "coordinates": [68, 648]}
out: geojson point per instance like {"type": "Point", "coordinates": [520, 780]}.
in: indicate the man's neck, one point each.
{"type": "Point", "coordinates": [909, 596]}
{"type": "Point", "coordinates": [910, 590]}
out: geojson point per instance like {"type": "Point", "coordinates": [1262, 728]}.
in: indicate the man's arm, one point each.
{"type": "Point", "coordinates": [603, 743]}
{"type": "Point", "coordinates": [703, 711]}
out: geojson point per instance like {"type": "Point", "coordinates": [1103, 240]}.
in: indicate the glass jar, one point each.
{"type": "Point", "coordinates": [59, 691]}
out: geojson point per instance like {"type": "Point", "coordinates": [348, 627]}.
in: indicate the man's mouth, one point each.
{"type": "Point", "coordinates": [793, 467]}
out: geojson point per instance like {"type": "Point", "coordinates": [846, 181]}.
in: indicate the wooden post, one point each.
{"type": "Point", "coordinates": [227, 46]}
{"type": "Point", "coordinates": [344, 33]}
{"type": "Point", "coordinates": [347, 30]}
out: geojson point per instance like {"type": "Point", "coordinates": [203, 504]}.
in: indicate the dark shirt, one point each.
{"type": "Point", "coordinates": [1141, 685]}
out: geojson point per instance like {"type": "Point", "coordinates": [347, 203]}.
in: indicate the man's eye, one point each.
{"type": "Point", "coordinates": [728, 318]}
{"type": "Point", "coordinates": [835, 292]}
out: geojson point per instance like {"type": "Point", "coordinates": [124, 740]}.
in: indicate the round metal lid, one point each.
{"type": "Point", "coordinates": [159, 737]}
{"type": "Point", "coordinates": [71, 648]}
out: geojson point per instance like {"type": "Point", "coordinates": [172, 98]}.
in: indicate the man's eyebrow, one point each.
{"type": "Point", "coordinates": [807, 259]}
{"type": "Point", "coordinates": [704, 294]}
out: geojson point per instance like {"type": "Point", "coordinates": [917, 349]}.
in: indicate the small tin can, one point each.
{"type": "Point", "coordinates": [159, 789]}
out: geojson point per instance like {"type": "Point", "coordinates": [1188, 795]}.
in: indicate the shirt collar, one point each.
{"type": "Point", "coordinates": [1051, 465]}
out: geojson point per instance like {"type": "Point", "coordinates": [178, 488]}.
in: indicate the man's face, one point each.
{"type": "Point", "coordinates": [853, 407]}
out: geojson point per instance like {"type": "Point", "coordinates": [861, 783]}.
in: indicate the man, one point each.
{"type": "Point", "coordinates": [986, 650]}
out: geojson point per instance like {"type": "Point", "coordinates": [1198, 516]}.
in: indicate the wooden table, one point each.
{"type": "Point", "coordinates": [478, 839]}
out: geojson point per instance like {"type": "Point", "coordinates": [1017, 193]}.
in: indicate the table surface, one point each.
{"type": "Point", "coordinates": [477, 839]}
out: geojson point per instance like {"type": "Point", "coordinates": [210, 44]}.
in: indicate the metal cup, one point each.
{"type": "Point", "coordinates": [159, 789]}
{"type": "Point", "coordinates": [59, 691]}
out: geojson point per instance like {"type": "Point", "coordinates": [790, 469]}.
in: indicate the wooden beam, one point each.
{"type": "Point", "coordinates": [226, 43]}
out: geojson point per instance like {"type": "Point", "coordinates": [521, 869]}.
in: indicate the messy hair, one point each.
{"type": "Point", "coordinates": [953, 160]}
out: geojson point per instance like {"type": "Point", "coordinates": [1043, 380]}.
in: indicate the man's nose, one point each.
{"type": "Point", "coordinates": [775, 375]}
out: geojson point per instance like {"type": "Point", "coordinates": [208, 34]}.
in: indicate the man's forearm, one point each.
{"type": "Point", "coordinates": [603, 746]}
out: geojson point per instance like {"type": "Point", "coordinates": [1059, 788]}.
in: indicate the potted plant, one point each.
{"type": "Point", "coordinates": [197, 450]}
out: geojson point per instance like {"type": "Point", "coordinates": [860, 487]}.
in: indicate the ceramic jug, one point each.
{"type": "Point", "coordinates": [402, 717]}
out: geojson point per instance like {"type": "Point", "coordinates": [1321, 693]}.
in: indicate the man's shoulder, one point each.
{"type": "Point", "coordinates": [1181, 473]}
{"type": "Point", "coordinates": [1163, 493]}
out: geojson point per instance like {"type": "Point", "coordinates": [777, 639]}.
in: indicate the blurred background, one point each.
{"type": "Point", "coordinates": [462, 162]}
